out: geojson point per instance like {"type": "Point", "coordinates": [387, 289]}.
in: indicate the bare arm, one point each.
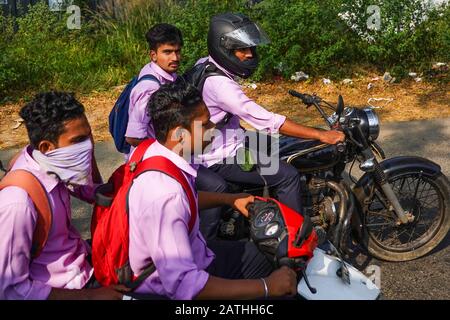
{"type": "Point", "coordinates": [238, 201]}
{"type": "Point", "coordinates": [219, 288]}
{"type": "Point", "coordinates": [207, 200]}
{"type": "Point", "coordinates": [102, 293]}
{"type": "Point", "coordinates": [281, 282]}
{"type": "Point", "coordinates": [290, 128]}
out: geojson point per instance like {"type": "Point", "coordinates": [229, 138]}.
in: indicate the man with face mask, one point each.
{"type": "Point", "coordinates": [232, 41]}
{"type": "Point", "coordinates": [60, 156]}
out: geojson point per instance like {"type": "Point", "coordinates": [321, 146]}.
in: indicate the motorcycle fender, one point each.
{"type": "Point", "coordinates": [400, 165]}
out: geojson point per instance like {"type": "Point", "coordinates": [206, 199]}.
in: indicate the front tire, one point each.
{"type": "Point", "coordinates": [424, 197]}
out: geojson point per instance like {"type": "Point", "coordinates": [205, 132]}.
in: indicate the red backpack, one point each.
{"type": "Point", "coordinates": [110, 228]}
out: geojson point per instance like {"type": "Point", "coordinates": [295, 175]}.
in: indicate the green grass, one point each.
{"type": "Point", "coordinates": [306, 35]}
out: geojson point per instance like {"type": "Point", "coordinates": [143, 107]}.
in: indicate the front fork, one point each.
{"type": "Point", "coordinates": [370, 164]}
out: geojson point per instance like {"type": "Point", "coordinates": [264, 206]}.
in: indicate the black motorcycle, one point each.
{"type": "Point", "coordinates": [398, 210]}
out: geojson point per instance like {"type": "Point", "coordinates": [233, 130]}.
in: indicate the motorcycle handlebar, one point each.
{"type": "Point", "coordinates": [306, 98]}
{"type": "Point", "coordinates": [296, 94]}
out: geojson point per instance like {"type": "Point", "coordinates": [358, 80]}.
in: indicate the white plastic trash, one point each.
{"type": "Point", "coordinates": [299, 76]}
{"type": "Point", "coordinates": [347, 81]}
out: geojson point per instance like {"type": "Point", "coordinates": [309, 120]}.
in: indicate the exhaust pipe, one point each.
{"type": "Point", "coordinates": [343, 196]}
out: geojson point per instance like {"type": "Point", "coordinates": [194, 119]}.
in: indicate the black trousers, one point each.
{"type": "Point", "coordinates": [238, 260]}
{"type": "Point", "coordinates": [286, 181]}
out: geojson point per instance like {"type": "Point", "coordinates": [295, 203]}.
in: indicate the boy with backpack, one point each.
{"type": "Point", "coordinates": [129, 122]}
{"type": "Point", "coordinates": [42, 255]}
{"type": "Point", "coordinates": [167, 254]}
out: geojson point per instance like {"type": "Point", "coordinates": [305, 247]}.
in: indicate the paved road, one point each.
{"type": "Point", "coordinates": [425, 278]}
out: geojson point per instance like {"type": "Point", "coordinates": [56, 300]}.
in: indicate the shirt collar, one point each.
{"type": "Point", "coordinates": [159, 71]}
{"type": "Point", "coordinates": [25, 161]}
{"type": "Point", "coordinates": [230, 74]}
{"type": "Point", "coordinates": [181, 163]}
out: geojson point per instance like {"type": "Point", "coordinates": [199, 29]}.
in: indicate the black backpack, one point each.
{"type": "Point", "coordinates": [197, 76]}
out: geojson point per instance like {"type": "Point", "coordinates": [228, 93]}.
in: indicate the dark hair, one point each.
{"type": "Point", "coordinates": [163, 33]}
{"type": "Point", "coordinates": [174, 104]}
{"type": "Point", "coordinates": [45, 115]}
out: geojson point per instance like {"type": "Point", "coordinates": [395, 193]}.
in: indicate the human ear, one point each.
{"type": "Point", "coordinates": [153, 56]}
{"type": "Point", "coordinates": [46, 146]}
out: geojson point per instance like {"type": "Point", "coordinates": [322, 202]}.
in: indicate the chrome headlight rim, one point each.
{"type": "Point", "coordinates": [373, 122]}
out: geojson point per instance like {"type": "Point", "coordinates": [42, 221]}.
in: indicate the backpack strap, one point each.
{"type": "Point", "coordinates": [139, 152]}
{"type": "Point", "coordinates": [36, 191]}
{"type": "Point", "coordinates": [148, 77]}
{"type": "Point", "coordinates": [210, 70]}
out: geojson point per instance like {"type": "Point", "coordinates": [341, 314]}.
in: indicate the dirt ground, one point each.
{"type": "Point", "coordinates": [411, 101]}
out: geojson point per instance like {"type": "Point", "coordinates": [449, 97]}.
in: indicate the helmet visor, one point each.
{"type": "Point", "coordinates": [247, 36]}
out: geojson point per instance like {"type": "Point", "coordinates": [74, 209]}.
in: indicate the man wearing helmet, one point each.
{"type": "Point", "coordinates": [232, 42]}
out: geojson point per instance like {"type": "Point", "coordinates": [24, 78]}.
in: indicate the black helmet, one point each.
{"type": "Point", "coordinates": [230, 31]}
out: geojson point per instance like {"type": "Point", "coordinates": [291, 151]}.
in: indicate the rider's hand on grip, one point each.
{"type": "Point", "coordinates": [332, 137]}
{"type": "Point", "coordinates": [282, 282]}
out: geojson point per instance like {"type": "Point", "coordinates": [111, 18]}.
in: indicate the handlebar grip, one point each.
{"type": "Point", "coordinates": [306, 98]}
{"type": "Point", "coordinates": [296, 94]}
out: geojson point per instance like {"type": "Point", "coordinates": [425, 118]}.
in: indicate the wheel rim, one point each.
{"type": "Point", "coordinates": [417, 194]}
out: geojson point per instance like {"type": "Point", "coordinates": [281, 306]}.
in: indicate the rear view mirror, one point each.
{"type": "Point", "coordinates": [340, 106]}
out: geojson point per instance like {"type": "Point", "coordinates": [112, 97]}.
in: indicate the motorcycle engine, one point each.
{"type": "Point", "coordinates": [324, 213]}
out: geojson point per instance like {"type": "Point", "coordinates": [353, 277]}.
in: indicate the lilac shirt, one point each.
{"type": "Point", "coordinates": [62, 263]}
{"type": "Point", "coordinates": [222, 95]}
{"type": "Point", "coordinates": [139, 123]}
{"type": "Point", "coordinates": [159, 217]}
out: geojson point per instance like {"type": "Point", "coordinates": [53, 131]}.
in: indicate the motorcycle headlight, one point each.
{"type": "Point", "coordinates": [272, 229]}
{"type": "Point", "coordinates": [373, 123]}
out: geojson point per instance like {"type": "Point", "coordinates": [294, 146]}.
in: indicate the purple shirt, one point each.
{"type": "Point", "coordinates": [62, 263]}
{"type": "Point", "coordinates": [139, 123]}
{"type": "Point", "coordinates": [159, 217]}
{"type": "Point", "coordinates": [224, 95]}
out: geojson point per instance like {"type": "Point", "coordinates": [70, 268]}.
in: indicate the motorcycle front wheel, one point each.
{"type": "Point", "coordinates": [426, 198]}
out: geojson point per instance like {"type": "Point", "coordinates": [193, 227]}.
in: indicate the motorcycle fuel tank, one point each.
{"type": "Point", "coordinates": [322, 273]}
{"type": "Point", "coordinates": [307, 155]}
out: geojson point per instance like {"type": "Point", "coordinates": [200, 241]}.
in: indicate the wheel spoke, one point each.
{"type": "Point", "coordinates": [412, 233]}
{"type": "Point", "coordinates": [382, 214]}
{"type": "Point", "coordinates": [417, 187]}
{"type": "Point", "coordinates": [379, 224]}
{"type": "Point", "coordinates": [429, 202]}
{"type": "Point", "coordinates": [428, 190]}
